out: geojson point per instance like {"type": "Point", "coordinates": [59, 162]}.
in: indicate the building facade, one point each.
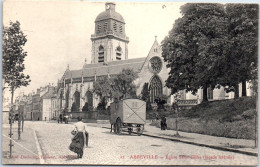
{"type": "Point", "coordinates": [41, 104]}
{"type": "Point", "coordinates": [49, 101]}
{"type": "Point", "coordinates": [109, 56]}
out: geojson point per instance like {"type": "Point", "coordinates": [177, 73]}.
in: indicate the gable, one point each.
{"type": "Point", "coordinates": [154, 65]}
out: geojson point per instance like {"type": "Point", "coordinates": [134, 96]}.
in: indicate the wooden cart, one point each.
{"type": "Point", "coordinates": [128, 114]}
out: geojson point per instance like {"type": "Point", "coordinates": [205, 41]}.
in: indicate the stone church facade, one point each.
{"type": "Point", "coordinates": [109, 56]}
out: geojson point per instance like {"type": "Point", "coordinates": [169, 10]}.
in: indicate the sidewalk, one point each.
{"type": "Point", "coordinates": [24, 150]}
{"type": "Point", "coordinates": [227, 144]}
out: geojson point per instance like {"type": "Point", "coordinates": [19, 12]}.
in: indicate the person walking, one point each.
{"type": "Point", "coordinates": [60, 118]}
{"type": "Point", "coordinates": [163, 123]}
{"type": "Point", "coordinates": [79, 132]}
{"type": "Point", "coordinates": [66, 119]}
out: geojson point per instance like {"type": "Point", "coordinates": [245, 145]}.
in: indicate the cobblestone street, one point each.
{"type": "Point", "coordinates": [109, 148]}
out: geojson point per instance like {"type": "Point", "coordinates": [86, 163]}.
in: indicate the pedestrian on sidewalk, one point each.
{"type": "Point", "coordinates": [66, 119]}
{"type": "Point", "coordinates": [163, 123]}
{"type": "Point", "coordinates": [60, 119]}
{"type": "Point", "coordinates": [77, 144]}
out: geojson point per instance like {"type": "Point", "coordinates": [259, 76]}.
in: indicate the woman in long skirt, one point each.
{"type": "Point", "coordinates": [77, 144]}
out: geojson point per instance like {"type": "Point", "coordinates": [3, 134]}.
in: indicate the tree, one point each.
{"type": "Point", "coordinates": [102, 87]}
{"type": "Point", "coordinates": [13, 57]}
{"type": "Point", "coordinates": [160, 101]}
{"type": "Point", "coordinates": [116, 88]}
{"type": "Point", "coordinates": [123, 85]}
{"type": "Point", "coordinates": [145, 96]}
{"type": "Point", "coordinates": [243, 48]}
{"type": "Point", "coordinates": [12, 61]}
{"type": "Point", "coordinates": [194, 48]}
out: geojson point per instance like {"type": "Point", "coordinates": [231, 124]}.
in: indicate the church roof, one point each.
{"type": "Point", "coordinates": [111, 68]}
{"type": "Point", "coordinates": [110, 14]}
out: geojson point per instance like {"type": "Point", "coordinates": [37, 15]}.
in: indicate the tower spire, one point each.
{"type": "Point", "coordinates": [155, 37]}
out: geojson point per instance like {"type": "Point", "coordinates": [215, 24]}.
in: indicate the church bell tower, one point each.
{"type": "Point", "coordinates": [109, 42]}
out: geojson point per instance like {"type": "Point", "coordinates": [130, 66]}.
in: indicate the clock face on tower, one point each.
{"type": "Point", "coordinates": [155, 65]}
{"type": "Point", "coordinates": [107, 6]}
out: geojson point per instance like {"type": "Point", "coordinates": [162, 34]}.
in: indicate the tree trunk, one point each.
{"type": "Point", "coordinates": [3, 88]}
{"type": "Point", "coordinates": [11, 121]}
{"type": "Point", "coordinates": [244, 88]}
{"type": "Point", "coordinates": [12, 107]}
{"type": "Point", "coordinates": [22, 122]}
{"type": "Point", "coordinates": [236, 87]}
{"type": "Point", "coordinates": [19, 124]}
{"type": "Point", "coordinates": [12, 96]}
{"type": "Point", "coordinates": [205, 94]}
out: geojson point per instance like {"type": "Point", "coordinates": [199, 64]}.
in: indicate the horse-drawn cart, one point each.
{"type": "Point", "coordinates": [128, 114]}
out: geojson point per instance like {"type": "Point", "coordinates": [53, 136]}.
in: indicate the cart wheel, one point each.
{"type": "Point", "coordinates": [114, 128]}
{"type": "Point", "coordinates": [118, 125]}
{"type": "Point", "coordinates": [140, 130]}
{"type": "Point", "coordinates": [130, 130]}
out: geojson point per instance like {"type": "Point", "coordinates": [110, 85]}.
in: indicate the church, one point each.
{"type": "Point", "coordinates": [109, 56]}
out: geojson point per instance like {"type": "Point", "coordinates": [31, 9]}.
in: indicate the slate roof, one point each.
{"type": "Point", "coordinates": [110, 15]}
{"type": "Point", "coordinates": [49, 94]}
{"type": "Point", "coordinates": [99, 69]}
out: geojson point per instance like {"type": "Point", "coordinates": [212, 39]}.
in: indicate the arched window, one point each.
{"type": "Point", "coordinates": [76, 103]}
{"type": "Point", "coordinates": [101, 52]}
{"type": "Point", "coordinates": [155, 88]}
{"type": "Point", "coordinates": [118, 53]}
{"type": "Point", "coordinates": [89, 98]}
{"type": "Point", "coordinates": [60, 100]}
{"type": "Point", "coordinates": [67, 99]}
{"type": "Point", "coordinates": [88, 102]}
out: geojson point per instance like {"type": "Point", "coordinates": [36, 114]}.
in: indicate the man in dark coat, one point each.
{"type": "Point", "coordinates": [60, 118]}
{"type": "Point", "coordinates": [163, 123]}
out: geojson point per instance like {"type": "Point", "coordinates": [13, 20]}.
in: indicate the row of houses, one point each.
{"type": "Point", "coordinates": [39, 105]}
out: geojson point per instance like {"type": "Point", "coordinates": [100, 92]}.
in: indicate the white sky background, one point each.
{"type": "Point", "coordinates": [58, 32]}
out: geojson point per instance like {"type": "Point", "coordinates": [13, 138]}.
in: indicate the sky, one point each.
{"type": "Point", "coordinates": [58, 32]}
